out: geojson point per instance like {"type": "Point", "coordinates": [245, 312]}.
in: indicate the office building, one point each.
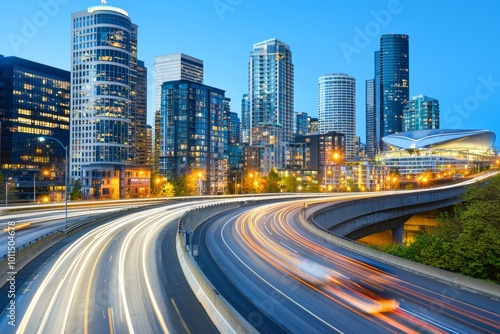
{"type": "Point", "coordinates": [194, 133]}
{"type": "Point", "coordinates": [246, 131]}
{"type": "Point", "coordinates": [300, 123]}
{"type": "Point", "coordinates": [370, 102]}
{"type": "Point", "coordinates": [394, 81]}
{"type": "Point", "coordinates": [421, 113]}
{"type": "Point", "coordinates": [271, 89]}
{"type": "Point", "coordinates": [171, 67]}
{"type": "Point", "coordinates": [34, 102]}
{"type": "Point", "coordinates": [337, 108]}
{"type": "Point", "coordinates": [312, 125]}
{"type": "Point", "coordinates": [174, 67]}
{"type": "Point", "coordinates": [104, 84]}
{"type": "Point", "coordinates": [138, 117]}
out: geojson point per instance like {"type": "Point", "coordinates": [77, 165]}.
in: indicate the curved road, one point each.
{"type": "Point", "coordinates": [119, 277]}
{"type": "Point", "coordinates": [306, 284]}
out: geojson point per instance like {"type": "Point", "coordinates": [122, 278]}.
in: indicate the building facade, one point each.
{"type": "Point", "coordinates": [246, 131]}
{"type": "Point", "coordinates": [171, 67]}
{"type": "Point", "coordinates": [104, 83]}
{"type": "Point", "coordinates": [394, 81]}
{"type": "Point", "coordinates": [34, 102]}
{"type": "Point", "coordinates": [138, 117]}
{"type": "Point", "coordinates": [421, 113]}
{"type": "Point", "coordinates": [271, 90]}
{"type": "Point", "coordinates": [337, 108]}
{"type": "Point", "coordinates": [300, 125]}
{"type": "Point", "coordinates": [370, 102]}
{"type": "Point", "coordinates": [194, 133]}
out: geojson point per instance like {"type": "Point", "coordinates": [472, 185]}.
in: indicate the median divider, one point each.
{"type": "Point", "coordinates": [461, 281]}
{"type": "Point", "coordinates": [222, 314]}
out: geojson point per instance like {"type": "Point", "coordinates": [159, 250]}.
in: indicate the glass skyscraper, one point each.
{"type": "Point", "coordinates": [34, 102]}
{"type": "Point", "coordinates": [337, 108]}
{"type": "Point", "coordinates": [171, 67]}
{"type": "Point", "coordinates": [104, 87]}
{"type": "Point", "coordinates": [394, 81]}
{"type": "Point", "coordinates": [195, 132]}
{"type": "Point", "coordinates": [245, 119]}
{"type": "Point", "coordinates": [421, 113]}
{"type": "Point", "coordinates": [370, 103]}
{"type": "Point", "coordinates": [271, 89]}
{"type": "Point", "coordinates": [300, 123]}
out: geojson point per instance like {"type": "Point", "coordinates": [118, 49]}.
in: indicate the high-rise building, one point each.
{"type": "Point", "coordinates": [138, 116]}
{"type": "Point", "coordinates": [149, 146]}
{"type": "Point", "coordinates": [246, 131]}
{"type": "Point", "coordinates": [337, 108]}
{"type": "Point", "coordinates": [171, 67]}
{"type": "Point", "coordinates": [394, 81]}
{"type": "Point", "coordinates": [300, 124]}
{"type": "Point", "coordinates": [104, 83]}
{"type": "Point", "coordinates": [194, 133]}
{"type": "Point", "coordinates": [34, 102]}
{"type": "Point", "coordinates": [312, 125]}
{"type": "Point", "coordinates": [270, 90]}
{"type": "Point", "coordinates": [421, 113]}
{"type": "Point", "coordinates": [370, 102]}
{"type": "Point", "coordinates": [234, 129]}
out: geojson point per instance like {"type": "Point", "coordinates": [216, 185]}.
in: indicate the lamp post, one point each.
{"type": "Point", "coordinates": [42, 139]}
{"type": "Point", "coordinates": [34, 188]}
{"type": "Point", "coordinates": [7, 184]}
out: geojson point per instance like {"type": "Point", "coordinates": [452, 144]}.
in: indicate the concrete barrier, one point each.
{"type": "Point", "coordinates": [24, 255]}
{"type": "Point", "coordinates": [468, 283]}
{"type": "Point", "coordinates": [222, 314]}
{"type": "Point", "coordinates": [359, 218]}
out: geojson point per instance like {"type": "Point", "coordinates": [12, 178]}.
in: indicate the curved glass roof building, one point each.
{"type": "Point", "coordinates": [419, 151]}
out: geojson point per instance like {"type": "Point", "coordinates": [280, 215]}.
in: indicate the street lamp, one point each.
{"type": "Point", "coordinates": [7, 184]}
{"type": "Point", "coordinates": [34, 188]}
{"type": "Point", "coordinates": [42, 139]}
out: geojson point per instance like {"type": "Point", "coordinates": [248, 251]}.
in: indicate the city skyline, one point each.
{"type": "Point", "coordinates": [450, 61]}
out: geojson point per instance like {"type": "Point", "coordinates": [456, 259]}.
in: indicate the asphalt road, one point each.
{"type": "Point", "coordinates": [304, 284]}
{"type": "Point", "coordinates": [122, 276]}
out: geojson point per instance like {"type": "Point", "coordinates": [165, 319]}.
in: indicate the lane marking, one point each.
{"type": "Point", "coordinates": [265, 225]}
{"type": "Point", "coordinates": [269, 284]}
{"type": "Point", "coordinates": [290, 248]}
{"type": "Point", "coordinates": [179, 314]}
{"type": "Point", "coordinates": [110, 319]}
{"type": "Point", "coordinates": [87, 299]}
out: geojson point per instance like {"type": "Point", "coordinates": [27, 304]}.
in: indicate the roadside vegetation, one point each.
{"type": "Point", "coordinates": [465, 241]}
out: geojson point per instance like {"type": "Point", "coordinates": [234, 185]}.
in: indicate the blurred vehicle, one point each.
{"type": "Point", "coordinates": [17, 227]}
{"type": "Point", "coordinates": [341, 286]}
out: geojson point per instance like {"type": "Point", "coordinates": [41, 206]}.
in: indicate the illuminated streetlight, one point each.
{"type": "Point", "coordinates": [66, 164]}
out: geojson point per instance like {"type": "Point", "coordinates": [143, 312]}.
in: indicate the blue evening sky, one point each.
{"type": "Point", "coordinates": [454, 45]}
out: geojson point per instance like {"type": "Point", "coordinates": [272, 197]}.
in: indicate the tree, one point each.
{"type": "Point", "coordinates": [76, 192]}
{"type": "Point", "coordinates": [466, 240]}
{"type": "Point", "coordinates": [289, 183]}
{"type": "Point", "coordinates": [273, 182]}
{"type": "Point", "coordinates": [168, 190]}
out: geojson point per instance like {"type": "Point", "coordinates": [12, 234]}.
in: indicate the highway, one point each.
{"type": "Point", "coordinates": [45, 221]}
{"type": "Point", "coordinates": [303, 284]}
{"type": "Point", "coordinates": [111, 279]}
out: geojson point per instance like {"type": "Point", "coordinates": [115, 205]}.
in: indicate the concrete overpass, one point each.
{"type": "Point", "coordinates": [355, 219]}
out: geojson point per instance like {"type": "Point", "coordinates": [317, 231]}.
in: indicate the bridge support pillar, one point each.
{"type": "Point", "coordinates": [397, 234]}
